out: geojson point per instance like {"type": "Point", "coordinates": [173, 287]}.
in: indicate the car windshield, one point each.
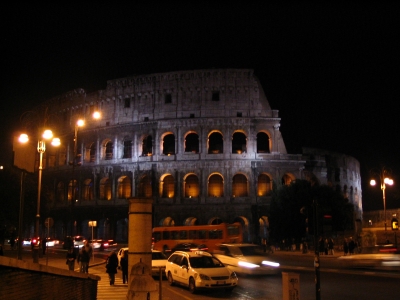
{"type": "Point", "coordinates": [205, 262]}
{"type": "Point", "coordinates": [157, 256]}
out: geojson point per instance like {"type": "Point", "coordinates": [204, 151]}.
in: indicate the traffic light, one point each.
{"type": "Point", "coordinates": [395, 224]}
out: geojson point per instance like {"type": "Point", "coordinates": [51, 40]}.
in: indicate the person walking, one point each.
{"type": "Point", "coordinates": [89, 250]}
{"type": "Point", "coordinates": [1, 250]}
{"type": "Point", "coordinates": [345, 247]}
{"type": "Point", "coordinates": [330, 246]}
{"type": "Point", "coordinates": [71, 257]}
{"type": "Point", "coordinates": [124, 266]}
{"type": "Point", "coordinates": [352, 246]}
{"type": "Point", "coordinates": [111, 266]}
{"type": "Point", "coordinates": [83, 259]}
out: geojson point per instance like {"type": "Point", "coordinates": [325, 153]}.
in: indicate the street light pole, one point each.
{"type": "Point", "coordinates": [383, 176]}
{"type": "Point", "coordinates": [41, 148]}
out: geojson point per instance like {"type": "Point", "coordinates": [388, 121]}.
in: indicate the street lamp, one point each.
{"type": "Point", "coordinates": [383, 176]}
{"type": "Point", "coordinates": [41, 148]}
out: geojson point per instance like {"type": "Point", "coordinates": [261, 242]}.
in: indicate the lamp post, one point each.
{"type": "Point", "coordinates": [41, 148]}
{"type": "Point", "coordinates": [383, 175]}
{"type": "Point", "coordinates": [78, 123]}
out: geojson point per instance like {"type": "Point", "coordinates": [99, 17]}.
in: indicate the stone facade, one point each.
{"type": "Point", "coordinates": [205, 145]}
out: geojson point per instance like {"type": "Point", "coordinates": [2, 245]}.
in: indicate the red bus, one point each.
{"type": "Point", "coordinates": [165, 238]}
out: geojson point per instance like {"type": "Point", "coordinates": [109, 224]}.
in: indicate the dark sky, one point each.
{"type": "Point", "coordinates": [331, 69]}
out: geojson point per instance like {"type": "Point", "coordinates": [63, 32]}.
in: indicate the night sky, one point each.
{"type": "Point", "coordinates": [331, 69]}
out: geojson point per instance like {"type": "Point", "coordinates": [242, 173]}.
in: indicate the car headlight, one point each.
{"type": "Point", "coordinates": [233, 275]}
{"type": "Point", "coordinates": [248, 265]}
{"type": "Point", "coordinates": [204, 277]}
{"type": "Point", "coordinates": [270, 263]}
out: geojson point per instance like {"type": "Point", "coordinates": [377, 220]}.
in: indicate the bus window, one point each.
{"type": "Point", "coordinates": [215, 234]}
{"type": "Point", "coordinates": [233, 230]}
{"type": "Point", "coordinates": [175, 235]}
{"type": "Point", "coordinates": [166, 235]}
{"type": "Point", "coordinates": [183, 235]}
{"type": "Point", "coordinates": [193, 234]}
{"type": "Point", "coordinates": [157, 236]}
{"type": "Point", "coordinates": [203, 234]}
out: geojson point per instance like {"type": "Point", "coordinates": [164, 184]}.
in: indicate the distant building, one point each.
{"type": "Point", "coordinates": [204, 144]}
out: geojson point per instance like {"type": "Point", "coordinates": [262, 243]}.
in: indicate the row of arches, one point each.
{"type": "Point", "coordinates": [191, 187]}
{"type": "Point", "coordinates": [168, 145]}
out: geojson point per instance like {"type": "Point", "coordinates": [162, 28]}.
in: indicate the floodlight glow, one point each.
{"type": "Point", "coordinates": [47, 134]}
{"type": "Point", "coordinates": [23, 138]}
{"type": "Point", "coordinates": [372, 182]}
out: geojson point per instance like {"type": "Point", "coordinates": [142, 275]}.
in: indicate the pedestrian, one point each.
{"type": "Point", "coordinates": [71, 257]}
{"type": "Point", "coordinates": [352, 246]}
{"type": "Point", "coordinates": [345, 247]}
{"type": "Point", "coordinates": [12, 242]}
{"type": "Point", "coordinates": [330, 246]}
{"type": "Point", "coordinates": [124, 266]}
{"type": "Point", "coordinates": [83, 259]}
{"type": "Point", "coordinates": [1, 250]}
{"type": "Point", "coordinates": [89, 250]}
{"type": "Point", "coordinates": [111, 266]}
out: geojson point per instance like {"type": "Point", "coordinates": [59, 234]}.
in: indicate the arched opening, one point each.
{"type": "Point", "coordinates": [167, 187]}
{"type": "Point", "coordinates": [192, 143]}
{"type": "Point", "coordinates": [239, 141]}
{"type": "Point", "coordinates": [124, 187]}
{"type": "Point", "coordinates": [287, 179]}
{"type": "Point", "coordinates": [92, 152]}
{"type": "Point", "coordinates": [215, 186]}
{"type": "Point", "coordinates": [169, 144]}
{"type": "Point", "coordinates": [191, 185]}
{"type": "Point", "coordinates": [263, 143]}
{"type": "Point", "coordinates": [88, 190]}
{"type": "Point", "coordinates": [147, 146]}
{"type": "Point", "coordinates": [145, 189]}
{"type": "Point", "coordinates": [105, 189]}
{"type": "Point", "coordinates": [168, 221]}
{"type": "Point", "coordinates": [191, 221]}
{"type": "Point", "coordinates": [264, 185]}
{"type": "Point", "coordinates": [215, 221]}
{"type": "Point", "coordinates": [239, 186]}
{"type": "Point", "coordinates": [109, 148]}
{"type": "Point", "coordinates": [127, 149]}
{"type": "Point", "coordinates": [215, 143]}
{"type": "Point", "coordinates": [72, 190]}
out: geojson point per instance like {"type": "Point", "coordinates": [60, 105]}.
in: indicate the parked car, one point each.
{"type": "Point", "coordinates": [103, 244]}
{"type": "Point", "coordinates": [26, 242]}
{"type": "Point", "coordinates": [159, 260]}
{"type": "Point", "coordinates": [246, 259]}
{"type": "Point", "coordinates": [77, 241]}
{"type": "Point", "coordinates": [50, 242]}
{"type": "Point", "coordinates": [199, 270]}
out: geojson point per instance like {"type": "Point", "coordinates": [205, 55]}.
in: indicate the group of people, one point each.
{"type": "Point", "coordinates": [349, 246]}
{"type": "Point", "coordinates": [326, 246]}
{"type": "Point", "coordinates": [112, 265]}
{"type": "Point", "coordinates": [83, 258]}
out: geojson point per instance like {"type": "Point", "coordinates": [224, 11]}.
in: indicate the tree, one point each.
{"type": "Point", "coordinates": [292, 206]}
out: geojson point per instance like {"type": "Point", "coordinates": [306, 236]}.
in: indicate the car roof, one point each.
{"type": "Point", "coordinates": [239, 245]}
{"type": "Point", "coordinates": [193, 254]}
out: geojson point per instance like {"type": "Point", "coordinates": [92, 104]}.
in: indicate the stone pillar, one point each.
{"type": "Point", "coordinates": [139, 243]}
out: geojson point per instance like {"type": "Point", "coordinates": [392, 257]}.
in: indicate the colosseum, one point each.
{"type": "Point", "coordinates": [205, 145]}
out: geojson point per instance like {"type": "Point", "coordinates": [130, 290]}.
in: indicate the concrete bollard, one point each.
{"type": "Point", "coordinates": [141, 284]}
{"type": "Point", "coordinates": [291, 286]}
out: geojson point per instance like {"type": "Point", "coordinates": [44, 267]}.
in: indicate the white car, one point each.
{"type": "Point", "coordinates": [246, 259]}
{"type": "Point", "coordinates": [199, 270]}
{"type": "Point", "coordinates": [159, 260]}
